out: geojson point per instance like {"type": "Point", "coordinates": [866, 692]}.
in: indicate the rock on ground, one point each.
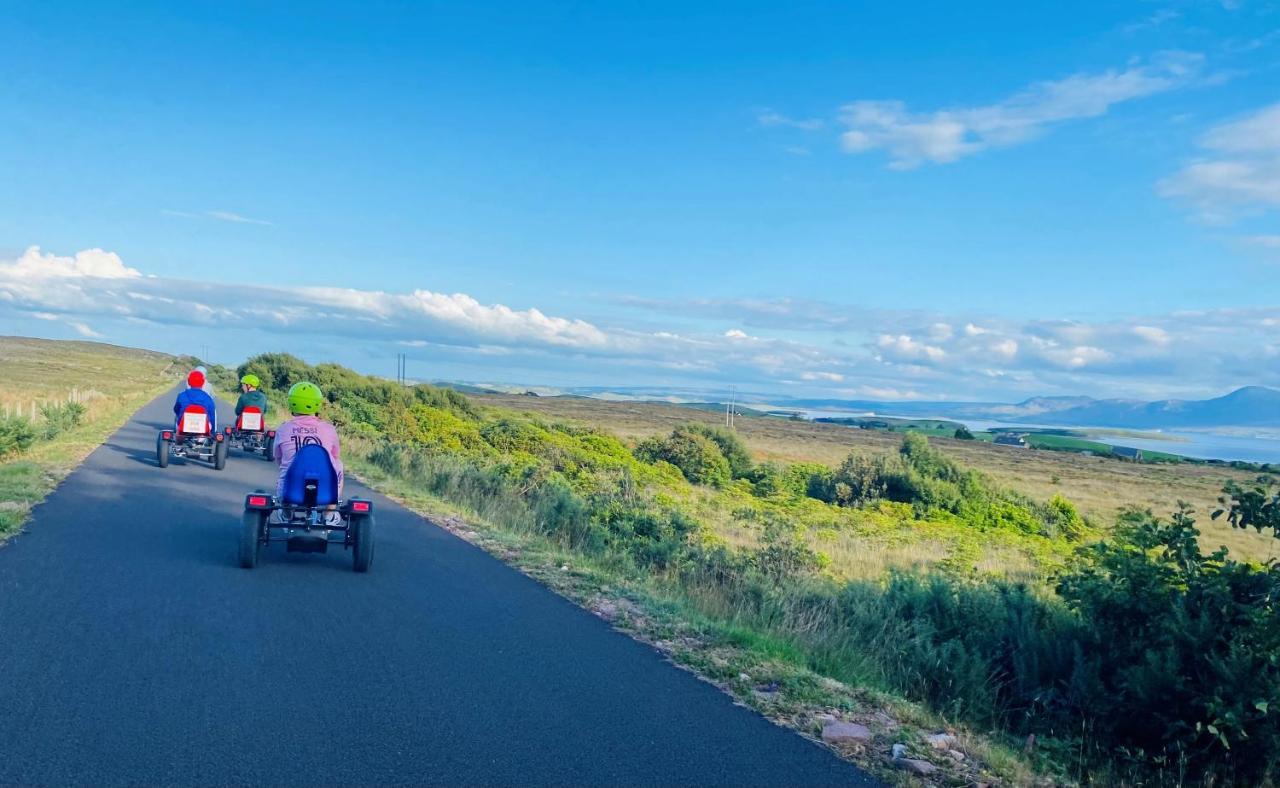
{"type": "Point", "coordinates": [845, 733]}
{"type": "Point", "coordinates": [916, 766]}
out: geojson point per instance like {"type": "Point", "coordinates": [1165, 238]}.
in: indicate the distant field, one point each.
{"type": "Point", "coordinates": [1100, 486]}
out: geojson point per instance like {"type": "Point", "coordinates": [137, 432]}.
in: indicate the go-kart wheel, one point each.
{"type": "Point", "coordinates": [162, 452]}
{"type": "Point", "coordinates": [362, 533]}
{"type": "Point", "coordinates": [219, 455]}
{"type": "Point", "coordinates": [251, 528]}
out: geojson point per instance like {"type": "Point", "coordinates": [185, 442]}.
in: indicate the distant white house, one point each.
{"type": "Point", "coordinates": [1011, 439]}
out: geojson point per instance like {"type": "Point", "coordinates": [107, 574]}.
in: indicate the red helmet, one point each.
{"type": "Point", "coordinates": [195, 379]}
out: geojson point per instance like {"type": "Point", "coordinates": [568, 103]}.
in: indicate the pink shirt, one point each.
{"type": "Point", "coordinates": [301, 431]}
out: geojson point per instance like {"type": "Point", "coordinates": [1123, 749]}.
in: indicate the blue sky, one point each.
{"type": "Point", "coordinates": [845, 199]}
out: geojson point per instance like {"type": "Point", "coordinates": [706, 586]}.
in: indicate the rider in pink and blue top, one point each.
{"type": "Point", "coordinates": [305, 428]}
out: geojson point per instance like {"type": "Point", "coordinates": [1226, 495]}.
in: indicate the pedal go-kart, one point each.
{"type": "Point", "coordinates": [193, 438]}
{"type": "Point", "coordinates": [302, 517]}
{"type": "Point", "coordinates": [250, 434]}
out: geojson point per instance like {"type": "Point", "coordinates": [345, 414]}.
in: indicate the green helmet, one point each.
{"type": "Point", "coordinates": [305, 399]}
{"type": "Point", "coordinates": [251, 380]}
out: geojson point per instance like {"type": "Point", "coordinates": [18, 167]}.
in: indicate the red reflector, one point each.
{"type": "Point", "coordinates": [271, 433]}
{"type": "Point", "coordinates": [166, 435]}
{"type": "Point", "coordinates": [219, 437]}
{"type": "Point", "coordinates": [359, 506]}
{"type": "Point", "coordinates": [257, 500]}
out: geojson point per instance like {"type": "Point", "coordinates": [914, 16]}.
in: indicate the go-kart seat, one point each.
{"type": "Point", "coordinates": [194, 410]}
{"type": "Point", "coordinates": [311, 479]}
{"type": "Point", "coordinates": [251, 412]}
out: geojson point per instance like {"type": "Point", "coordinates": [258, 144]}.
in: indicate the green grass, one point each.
{"type": "Point", "coordinates": [111, 382]}
{"type": "Point", "coordinates": [1040, 440]}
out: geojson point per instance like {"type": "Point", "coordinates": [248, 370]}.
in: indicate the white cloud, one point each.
{"type": "Point", "coordinates": [1152, 334]}
{"type": "Point", "coordinates": [955, 356]}
{"type": "Point", "coordinates": [826, 377]}
{"type": "Point", "coordinates": [228, 216]}
{"type": "Point", "coordinates": [767, 117]}
{"type": "Point", "coordinates": [35, 266]}
{"type": "Point", "coordinates": [942, 136]}
{"type": "Point", "coordinates": [1243, 174]}
{"type": "Point", "coordinates": [222, 216]}
{"type": "Point", "coordinates": [1266, 242]}
{"type": "Point", "coordinates": [1155, 20]}
{"type": "Point", "coordinates": [904, 347]}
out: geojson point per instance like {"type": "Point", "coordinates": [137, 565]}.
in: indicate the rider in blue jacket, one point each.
{"type": "Point", "coordinates": [195, 395]}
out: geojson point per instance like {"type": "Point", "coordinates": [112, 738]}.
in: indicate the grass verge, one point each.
{"type": "Point", "coordinates": [110, 382]}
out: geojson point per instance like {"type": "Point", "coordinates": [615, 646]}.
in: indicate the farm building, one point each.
{"type": "Point", "coordinates": [1011, 439]}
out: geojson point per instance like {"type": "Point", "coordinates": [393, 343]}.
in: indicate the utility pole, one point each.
{"type": "Point", "coordinates": [729, 408]}
{"type": "Point", "coordinates": [402, 369]}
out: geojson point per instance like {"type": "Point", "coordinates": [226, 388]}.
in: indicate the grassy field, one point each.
{"type": "Point", "coordinates": [110, 382]}
{"type": "Point", "coordinates": [1100, 486]}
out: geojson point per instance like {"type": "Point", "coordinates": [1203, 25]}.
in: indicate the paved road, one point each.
{"type": "Point", "coordinates": [133, 649]}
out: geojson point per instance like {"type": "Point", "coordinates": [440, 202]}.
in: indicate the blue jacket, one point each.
{"type": "Point", "coordinates": [196, 397]}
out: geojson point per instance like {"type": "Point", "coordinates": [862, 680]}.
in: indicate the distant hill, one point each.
{"type": "Point", "coordinates": [1251, 406]}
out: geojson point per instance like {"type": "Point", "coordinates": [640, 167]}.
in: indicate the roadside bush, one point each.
{"type": "Point", "coordinates": [59, 418]}
{"type": "Point", "coordinates": [16, 434]}
{"type": "Point", "coordinates": [1187, 651]}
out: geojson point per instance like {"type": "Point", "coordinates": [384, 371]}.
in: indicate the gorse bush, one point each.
{"type": "Point", "coordinates": [698, 456]}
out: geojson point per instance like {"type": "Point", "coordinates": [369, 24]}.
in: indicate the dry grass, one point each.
{"type": "Point", "coordinates": [111, 382]}
{"type": "Point", "coordinates": [1100, 486]}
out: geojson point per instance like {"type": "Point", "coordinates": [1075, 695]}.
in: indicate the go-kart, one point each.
{"type": "Point", "coordinates": [192, 438]}
{"type": "Point", "coordinates": [309, 517]}
{"type": "Point", "coordinates": [250, 434]}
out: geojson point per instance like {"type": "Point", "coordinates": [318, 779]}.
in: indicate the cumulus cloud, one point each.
{"type": "Point", "coordinates": [843, 347]}
{"type": "Point", "coordinates": [1240, 173]}
{"type": "Point", "coordinates": [905, 347]}
{"type": "Point", "coordinates": [947, 135]}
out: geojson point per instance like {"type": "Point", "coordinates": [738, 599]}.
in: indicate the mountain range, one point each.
{"type": "Point", "coordinates": [1251, 406]}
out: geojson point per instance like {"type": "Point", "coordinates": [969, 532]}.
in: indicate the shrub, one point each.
{"type": "Point", "coordinates": [16, 434]}
{"type": "Point", "coordinates": [963, 433]}
{"type": "Point", "coordinates": [61, 417]}
{"type": "Point", "coordinates": [697, 456]}
{"type": "Point", "coordinates": [860, 480]}
{"type": "Point", "coordinates": [1186, 649]}
{"type": "Point", "coordinates": [731, 446]}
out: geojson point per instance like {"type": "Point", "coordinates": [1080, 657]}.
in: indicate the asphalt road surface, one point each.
{"type": "Point", "coordinates": [134, 649]}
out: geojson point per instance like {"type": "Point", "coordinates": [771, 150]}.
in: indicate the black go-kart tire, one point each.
{"type": "Point", "coordinates": [162, 452]}
{"type": "Point", "coordinates": [220, 455]}
{"type": "Point", "coordinates": [362, 535]}
{"type": "Point", "coordinates": [251, 527]}
{"type": "Point", "coordinates": [269, 449]}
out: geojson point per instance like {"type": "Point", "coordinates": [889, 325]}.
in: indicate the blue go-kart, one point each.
{"type": "Point", "coordinates": [304, 517]}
